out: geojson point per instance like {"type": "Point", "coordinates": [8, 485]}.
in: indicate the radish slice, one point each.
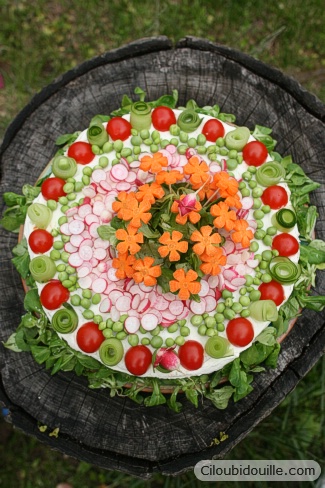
{"type": "Point", "coordinates": [144, 305]}
{"type": "Point", "coordinates": [210, 304]}
{"type": "Point", "coordinates": [86, 242]}
{"type": "Point", "coordinates": [111, 274]}
{"type": "Point", "coordinates": [170, 297]}
{"type": "Point", "coordinates": [89, 191]}
{"type": "Point", "coordinates": [115, 314]}
{"type": "Point", "coordinates": [123, 186]}
{"type": "Point", "coordinates": [160, 303]}
{"type": "Point", "coordinates": [229, 247]}
{"type": "Point", "coordinates": [157, 314]}
{"type": "Point", "coordinates": [213, 281]}
{"type": "Point", "coordinates": [68, 247]}
{"type": "Point", "coordinates": [65, 229]}
{"type": "Point", "coordinates": [132, 325]}
{"type": "Point", "coordinates": [119, 172]}
{"type": "Point", "coordinates": [76, 240]}
{"type": "Point", "coordinates": [168, 316]}
{"type": "Point", "coordinates": [198, 307]}
{"type": "Point", "coordinates": [84, 210]}
{"type": "Point", "coordinates": [85, 282]}
{"type": "Point", "coordinates": [114, 295]}
{"type": "Point", "coordinates": [100, 244]}
{"type": "Point", "coordinates": [76, 227]}
{"type": "Point", "coordinates": [99, 285]}
{"type": "Point", "coordinates": [75, 260]}
{"type": "Point", "coordinates": [93, 230]}
{"type": "Point", "coordinates": [204, 289]}
{"type": "Point", "coordinates": [133, 313]}
{"type": "Point", "coordinates": [238, 282]}
{"type": "Point", "coordinates": [144, 288]}
{"type": "Point", "coordinates": [83, 271]}
{"type": "Point", "coordinates": [176, 307]}
{"type": "Point", "coordinates": [98, 175]}
{"type": "Point", "coordinates": [98, 208]}
{"type": "Point", "coordinates": [149, 321]}
{"type": "Point", "coordinates": [71, 211]}
{"type": "Point", "coordinates": [123, 304]}
{"type": "Point", "coordinates": [131, 177]}
{"type": "Point", "coordinates": [85, 253]}
{"type": "Point", "coordinates": [247, 203]}
{"type": "Point", "coordinates": [100, 254]}
{"type": "Point", "coordinates": [135, 290]}
{"type": "Point", "coordinates": [105, 305]}
{"type": "Point", "coordinates": [135, 302]}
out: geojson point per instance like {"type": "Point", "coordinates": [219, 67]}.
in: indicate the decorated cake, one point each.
{"type": "Point", "coordinates": [164, 249]}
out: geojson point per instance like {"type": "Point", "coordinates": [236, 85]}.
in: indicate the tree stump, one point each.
{"type": "Point", "coordinates": [116, 433]}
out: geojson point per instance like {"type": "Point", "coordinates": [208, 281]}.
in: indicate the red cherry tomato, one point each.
{"type": "Point", "coordinates": [240, 332]}
{"type": "Point", "coordinates": [89, 337]}
{"type": "Point", "coordinates": [40, 241]}
{"type": "Point", "coordinates": [81, 152]}
{"type": "Point", "coordinates": [53, 295]}
{"type": "Point", "coordinates": [52, 188]}
{"type": "Point", "coordinates": [118, 128]}
{"type": "Point", "coordinates": [138, 359]}
{"type": "Point", "coordinates": [275, 196]}
{"type": "Point", "coordinates": [255, 153]}
{"type": "Point", "coordinates": [191, 355]}
{"type": "Point", "coordinates": [272, 291]}
{"type": "Point", "coordinates": [213, 129]}
{"type": "Point", "coordinates": [285, 244]}
{"type": "Point", "coordinates": [162, 118]}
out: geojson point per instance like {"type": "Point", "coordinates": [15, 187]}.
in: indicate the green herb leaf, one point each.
{"type": "Point", "coordinates": [220, 398]}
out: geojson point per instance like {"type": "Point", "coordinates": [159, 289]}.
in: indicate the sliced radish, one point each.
{"type": "Point", "coordinates": [84, 210]}
{"type": "Point", "coordinates": [136, 290]}
{"type": "Point", "coordinates": [65, 230]}
{"type": "Point", "coordinates": [100, 244]}
{"type": "Point", "coordinates": [99, 285]}
{"type": "Point", "coordinates": [198, 307]}
{"type": "Point", "coordinates": [149, 321]}
{"type": "Point", "coordinates": [135, 302]}
{"type": "Point", "coordinates": [157, 314]}
{"type": "Point", "coordinates": [228, 247]}
{"type": "Point", "coordinates": [91, 219]}
{"type": "Point", "coordinates": [83, 271]}
{"type": "Point", "coordinates": [71, 211]}
{"type": "Point", "coordinates": [93, 230]}
{"type": "Point", "coordinates": [247, 203]}
{"type": "Point", "coordinates": [144, 288]}
{"type": "Point", "coordinates": [111, 275]}
{"type": "Point", "coordinates": [68, 247]}
{"type": "Point", "coordinates": [131, 177]}
{"type": "Point", "coordinates": [170, 297]}
{"type": "Point", "coordinates": [133, 313]}
{"type": "Point", "coordinates": [176, 307]}
{"type": "Point", "coordinates": [115, 314]}
{"type": "Point", "coordinates": [204, 288]}
{"type": "Point", "coordinates": [100, 254]}
{"type": "Point", "coordinates": [213, 281]}
{"type": "Point", "coordinates": [86, 242]}
{"type": "Point", "coordinates": [76, 240]}
{"type": "Point", "coordinates": [115, 294]}
{"type": "Point", "coordinates": [229, 274]}
{"type": "Point", "coordinates": [144, 305]}
{"type": "Point", "coordinates": [123, 186]}
{"type": "Point", "coordinates": [85, 283]}
{"type": "Point", "coordinates": [238, 282]}
{"type": "Point", "coordinates": [123, 304]}
{"type": "Point", "coordinates": [210, 304]}
{"type": "Point", "coordinates": [75, 260]}
{"type": "Point", "coordinates": [85, 253]}
{"type": "Point", "coordinates": [89, 191]}
{"type": "Point", "coordinates": [105, 305]}
{"type": "Point", "coordinates": [98, 175]}
{"type": "Point", "coordinates": [119, 172]}
{"type": "Point", "coordinates": [132, 325]}
{"type": "Point", "coordinates": [76, 227]}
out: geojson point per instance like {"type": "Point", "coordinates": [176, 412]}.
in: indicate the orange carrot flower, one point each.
{"type": "Point", "coordinates": [193, 216]}
{"type": "Point", "coordinates": [224, 217]}
{"type": "Point", "coordinates": [211, 264]}
{"type": "Point", "coordinates": [199, 171]}
{"type": "Point", "coordinates": [130, 240]}
{"type": "Point", "coordinates": [169, 177]}
{"type": "Point", "coordinates": [206, 242]}
{"type": "Point", "coordinates": [185, 283]}
{"type": "Point", "coordinates": [153, 163]}
{"type": "Point", "coordinates": [172, 246]}
{"type": "Point", "coordinates": [140, 213]}
{"type": "Point", "coordinates": [242, 234]}
{"type": "Point", "coordinates": [144, 271]}
{"type": "Point", "coordinates": [226, 183]}
{"type": "Point", "coordinates": [123, 264]}
{"type": "Point", "coordinates": [149, 192]}
{"type": "Point", "coordinates": [123, 204]}
{"type": "Point", "coordinates": [232, 200]}
{"type": "Point", "coordinates": [207, 191]}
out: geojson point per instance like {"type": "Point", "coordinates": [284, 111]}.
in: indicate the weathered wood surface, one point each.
{"type": "Point", "coordinates": [115, 433]}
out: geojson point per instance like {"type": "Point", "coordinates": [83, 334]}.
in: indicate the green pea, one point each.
{"type": "Point", "coordinates": [192, 142]}
{"type": "Point", "coordinates": [85, 303]}
{"type": "Point", "coordinates": [271, 231]}
{"type": "Point", "coordinates": [55, 255]}
{"type": "Point", "coordinates": [173, 328]}
{"type": "Point", "coordinates": [252, 184]}
{"type": "Point", "coordinates": [202, 329]}
{"type": "Point", "coordinates": [260, 234]}
{"type": "Point", "coordinates": [156, 342]}
{"type": "Point", "coordinates": [245, 313]}
{"type": "Point", "coordinates": [237, 307]}
{"type": "Point", "coordinates": [54, 233]}
{"type": "Point", "coordinates": [267, 255]}
{"type": "Point", "coordinates": [226, 294]}
{"type": "Point", "coordinates": [154, 148]}
{"type": "Point", "coordinates": [201, 149]}
{"type": "Point", "coordinates": [96, 298]}
{"type": "Point", "coordinates": [118, 145]}
{"type": "Point", "coordinates": [136, 141]}
{"type": "Point", "coordinates": [169, 342]}
{"type": "Point", "coordinates": [97, 319]}
{"type": "Point", "coordinates": [88, 314]}
{"type": "Point", "coordinates": [133, 340]}
{"type": "Point", "coordinates": [255, 295]}
{"type": "Point", "coordinates": [63, 276]}
{"type": "Point", "coordinates": [123, 318]}
{"type": "Point", "coordinates": [182, 322]}
{"type": "Point", "coordinates": [219, 317]}
{"type": "Point", "coordinates": [68, 188]}
{"type": "Point", "coordinates": [201, 139]}
{"type": "Point", "coordinates": [266, 209]}
{"type": "Point", "coordinates": [70, 270]}
{"type": "Point", "coordinates": [102, 325]}
{"type": "Point", "coordinates": [75, 300]}
{"type": "Point", "coordinates": [87, 171]}
{"type": "Point", "coordinates": [103, 162]}
{"type": "Point", "coordinates": [184, 331]}
{"type": "Point", "coordinates": [109, 323]}
{"type": "Point", "coordinates": [233, 154]}
{"type": "Point", "coordinates": [213, 157]}
{"type": "Point", "coordinates": [182, 149]}
{"type": "Point", "coordinates": [247, 176]}
{"type": "Point", "coordinates": [245, 192]}
{"type": "Point", "coordinates": [145, 341]}
{"type": "Point", "coordinates": [107, 333]}
{"type": "Point", "coordinates": [243, 291]}
{"type": "Point", "coordinates": [257, 192]}
{"type": "Point", "coordinates": [174, 141]}
{"type": "Point", "coordinates": [220, 327]}
{"type": "Point", "coordinates": [85, 179]}
{"type": "Point", "coordinates": [211, 149]}
{"type": "Point", "coordinates": [263, 265]}
{"type": "Point", "coordinates": [256, 281]}
{"type": "Point", "coordinates": [223, 151]}
{"type": "Point", "coordinates": [86, 293]}
{"type": "Point", "coordinates": [257, 203]}
{"type": "Point", "coordinates": [180, 340]}
{"type": "Point", "coordinates": [196, 320]}
{"type": "Point", "coordinates": [136, 150]}
{"type": "Point", "coordinates": [121, 335]}
{"type": "Point", "coordinates": [174, 130]}
{"type": "Point", "coordinates": [65, 256]}
{"type": "Point", "coordinates": [52, 204]}
{"type": "Point", "coordinates": [232, 164]}
{"type": "Point", "coordinates": [155, 331]}
{"type": "Point", "coordinates": [210, 322]}
{"type": "Point", "coordinates": [220, 142]}
{"type": "Point", "coordinates": [242, 185]}
{"type": "Point", "coordinates": [220, 308]}
{"type": "Point", "coordinates": [244, 301]}
{"type": "Point", "coordinates": [183, 136]}
{"type": "Point", "coordinates": [229, 314]}
{"type": "Point", "coordinates": [258, 214]}
{"type": "Point", "coordinates": [249, 280]}
{"type": "Point", "coordinates": [63, 220]}
{"type": "Point", "coordinates": [164, 143]}
{"type": "Point", "coordinates": [252, 169]}
{"type": "Point", "coordinates": [253, 246]}
{"type": "Point", "coordinates": [259, 224]}
{"type": "Point", "coordinates": [107, 147]}
{"type": "Point", "coordinates": [211, 332]}
{"type": "Point", "coordinates": [267, 240]}
{"type": "Point", "coordinates": [266, 278]}
{"type": "Point", "coordinates": [275, 252]}
{"type": "Point", "coordinates": [229, 302]}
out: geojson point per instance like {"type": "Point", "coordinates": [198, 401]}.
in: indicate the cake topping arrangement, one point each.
{"type": "Point", "coordinates": [165, 249]}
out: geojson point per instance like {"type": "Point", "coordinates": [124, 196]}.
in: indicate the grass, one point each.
{"type": "Point", "coordinates": [42, 39]}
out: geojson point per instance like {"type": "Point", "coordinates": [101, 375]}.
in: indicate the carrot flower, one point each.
{"type": "Point", "coordinates": [211, 264]}
{"type": "Point", "coordinates": [199, 171]}
{"type": "Point", "coordinates": [149, 192]}
{"type": "Point", "coordinates": [192, 215]}
{"type": "Point", "coordinates": [185, 283]}
{"type": "Point", "coordinates": [153, 163]}
{"type": "Point", "coordinates": [206, 242]}
{"type": "Point", "coordinates": [172, 245]}
{"type": "Point", "coordinates": [242, 234]}
{"type": "Point", "coordinates": [226, 183]}
{"type": "Point", "coordinates": [169, 177]}
{"type": "Point", "coordinates": [123, 204]}
{"type": "Point", "coordinates": [225, 218]}
{"type": "Point", "coordinates": [123, 264]}
{"type": "Point", "coordinates": [130, 240]}
{"type": "Point", "coordinates": [144, 271]}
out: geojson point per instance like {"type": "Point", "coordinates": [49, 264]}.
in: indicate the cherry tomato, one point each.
{"type": "Point", "coordinates": [118, 128]}
{"type": "Point", "coordinates": [213, 129]}
{"type": "Point", "coordinates": [240, 332]}
{"type": "Point", "coordinates": [53, 295]}
{"type": "Point", "coordinates": [272, 291]}
{"type": "Point", "coordinates": [275, 196]}
{"type": "Point", "coordinates": [81, 152]}
{"type": "Point", "coordinates": [52, 188]}
{"type": "Point", "coordinates": [162, 118]}
{"type": "Point", "coordinates": [191, 355]}
{"type": "Point", "coordinates": [255, 153]}
{"type": "Point", "coordinates": [138, 359]}
{"type": "Point", "coordinates": [89, 337]}
{"type": "Point", "coordinates": [286, 244]}
{"type": "Point", "coordinates": [40, 241]}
